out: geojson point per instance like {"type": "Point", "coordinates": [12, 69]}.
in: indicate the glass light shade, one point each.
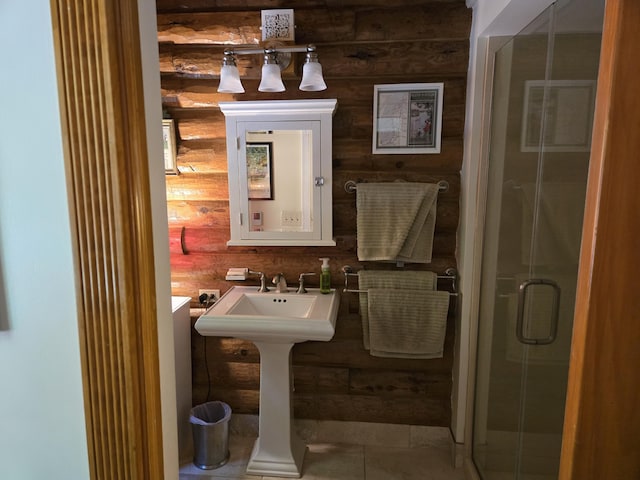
{"type": "Point", "coordinates": [230, 80]}
{"type": "Point", "coordinates": [312, 80]}
{"type": "Point", "coordinates": [271, 79]}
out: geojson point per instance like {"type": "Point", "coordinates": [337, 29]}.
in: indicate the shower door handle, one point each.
{"type": "Point", "coordinates": [555, 311]}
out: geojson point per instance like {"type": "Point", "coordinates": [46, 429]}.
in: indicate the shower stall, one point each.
{"type": "Point", "coordinates": [543, 95]}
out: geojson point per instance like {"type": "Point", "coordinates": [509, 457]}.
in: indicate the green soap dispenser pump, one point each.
{"type": "Point", "coordinates": [325, 276]}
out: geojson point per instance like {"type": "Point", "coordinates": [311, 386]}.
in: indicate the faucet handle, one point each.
{"type": "Point", "coordinates": [263, 281]}
{"type": "Point", "coordinates": [301, 288]}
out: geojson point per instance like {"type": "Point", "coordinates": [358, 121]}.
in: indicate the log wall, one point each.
{"type": "Point", "coordinates": [359, 45]}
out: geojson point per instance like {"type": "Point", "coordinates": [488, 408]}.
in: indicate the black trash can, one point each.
{"type": "Point", "coordinates": [210, 427]}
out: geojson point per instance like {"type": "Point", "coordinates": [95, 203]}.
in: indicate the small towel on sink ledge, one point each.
{"type": "Point", "coordinates": [396, 221]}
{"type": "Point", "coordinates": [407, 323]}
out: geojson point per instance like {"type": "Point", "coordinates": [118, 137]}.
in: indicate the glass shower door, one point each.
{"type": "Point", "coordinates": [542, 112]}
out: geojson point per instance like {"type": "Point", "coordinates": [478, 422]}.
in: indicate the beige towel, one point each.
{"type": "Point", "coordinates": [396, 221]}
{"type": "Point", "coordinates": [404, 280]}
{"type": "Point", "coordinates": [407, 323]}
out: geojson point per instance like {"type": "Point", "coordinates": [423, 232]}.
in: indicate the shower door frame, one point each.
{"type": "Point", "coordinates": [606, 264]}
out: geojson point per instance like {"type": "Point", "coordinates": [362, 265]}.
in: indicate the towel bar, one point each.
{"type": "Point", "coordinates": [449, 274]}
{"type": "Point", "coordinates": [351, 186]}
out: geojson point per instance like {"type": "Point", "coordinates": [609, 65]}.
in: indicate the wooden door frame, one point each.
{"type": "Point", "coordinates": [600, 437]}
{"type": "Point", "coordinates": [98, 59]}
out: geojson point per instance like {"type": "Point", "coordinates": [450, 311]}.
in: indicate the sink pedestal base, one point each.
{"type": "Point", "coordinates": [278, 451]}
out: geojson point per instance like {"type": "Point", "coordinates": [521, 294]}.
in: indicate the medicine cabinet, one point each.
{"type": "Point", "coordinates": [279, 163]}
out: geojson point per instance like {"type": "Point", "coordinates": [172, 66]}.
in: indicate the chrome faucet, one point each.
{"type": "Point", "coordinates": [263, 281]}
{"type": "Point", "coordinates": [281, 283]}
{"type": "Point", "coordinates": [301, 288]}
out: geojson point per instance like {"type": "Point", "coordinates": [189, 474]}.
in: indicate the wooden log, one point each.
{"type": "Point", "coordinates": [194, 6]}
{"type": "Point", "coordinates": [351, 154]}
{"type": "Point", "coordinates": [418, 410]}
{"type": "Point", "coordinates": [211, 240]}
{"type": "Point", "coordinates": [185, 92]}
{"type": "Point", "coordinates": [201, 213]}
{"type": "Point", "coordinates": [197, 186]}
{"type": "Point", "coordinates": [429, 20]}
{"type": "Point", "coordinates": [398, 383]}
{"type": "Point", "coordinates": [240, 401]}
{"type": "Point", "coordinates": [320, 25]}
{"type": "Point", "coordinates": [357, 59]}
{"type": "Point", "coordinates": [210, 128]}
{"type": "Point", "coordinates": [351, 354]}
{"type": "Point", "coordinates": [314, 379]}
{"type": "Point", "coordinates": [227, 28]}
{"type": "Point", "coordinates": [211, 159]}
{"type": "Point", "coordinates": [194, 271]}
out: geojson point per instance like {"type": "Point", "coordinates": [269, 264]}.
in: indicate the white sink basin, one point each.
{"type": "Point", "coordinates": [245, 313]}
{"type": "Point", "coordinates": [274, 322]}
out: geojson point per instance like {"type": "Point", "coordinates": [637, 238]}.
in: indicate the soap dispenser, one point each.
{"type": "Point", "coordinates": [325, 276]}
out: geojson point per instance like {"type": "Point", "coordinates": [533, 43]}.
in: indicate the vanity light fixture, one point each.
{"type": "Point", "coordinates": [275, 60]}
{"type": "Point", "coordinates": [229, 76]}
{"type": "Point", "coordinates": [271, 77]}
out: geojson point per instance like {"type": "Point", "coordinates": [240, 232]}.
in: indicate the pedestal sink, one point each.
{"type": "Point", "coordinates": [273, 322]}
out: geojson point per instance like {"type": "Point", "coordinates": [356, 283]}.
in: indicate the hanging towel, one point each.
{"type": "Point", "coordinates": [407, 323]}
{"type": "Point", "coordinates": [396, 221]}
{"type": "Point", "coordinates": [386, 279]}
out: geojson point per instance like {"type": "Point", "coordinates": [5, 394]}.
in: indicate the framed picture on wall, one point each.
{"type": "Point", "coordinates": [559, 117]}
{"type": "Point", "coordinates": [407, 118]}
{"type": "Point", "coordinates": [259, 178]}
{"type": "Point", "coordinates": [169, 143]}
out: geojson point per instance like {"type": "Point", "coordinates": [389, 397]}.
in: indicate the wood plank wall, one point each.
{"type": "Point", "coordinates": [360, 44]}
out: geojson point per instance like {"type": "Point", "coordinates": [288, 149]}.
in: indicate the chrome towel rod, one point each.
{"type": "Point", "coordinates": [351, 186]}
{"type": "Point", "coordinates": [449, 274]}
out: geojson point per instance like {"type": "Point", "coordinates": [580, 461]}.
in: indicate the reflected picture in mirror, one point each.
{"type": "Point", "coordinates": [259, 178]}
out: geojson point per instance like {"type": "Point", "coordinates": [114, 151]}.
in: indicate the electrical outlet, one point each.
{"type": "Point", "coordinates": [290, 218]}
{"type": "Point", "coordinates": [214, 294]}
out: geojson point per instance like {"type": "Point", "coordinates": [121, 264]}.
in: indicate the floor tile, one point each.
{"type": "Point", "coordinates": [328, 461]}
{"type": "Point", "coordinates": [239, 452]}
{"type": "Point", "coordinates": [409, 464]}
{"type": "Point", "coordinates": [340, 461]}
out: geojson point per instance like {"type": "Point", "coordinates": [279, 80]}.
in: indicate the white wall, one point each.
{"type": "Point", "coordinates": [42, 431]}
{"type": "Point", "coordinates": [42, 426]}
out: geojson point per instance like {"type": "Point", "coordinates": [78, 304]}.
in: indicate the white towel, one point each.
{"type": "Point", "coordinates": [396, 221]}
{"type": "Point", "coordinates": [388, 279]}
{"type": "Point", "coordinates": [407, 323]}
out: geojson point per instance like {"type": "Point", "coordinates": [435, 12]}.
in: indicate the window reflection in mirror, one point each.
{"type": "Point", "coordinates": [280, 180]}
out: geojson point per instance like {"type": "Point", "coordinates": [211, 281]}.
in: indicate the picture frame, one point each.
{"type": "Point", "coordinates": [169, 145]}
{"type": "Point", "coordinates": [568, 115]}
{"type": "Point", "coordinates": [407, 118]}
{"type": "Point", "coordinates": [259, 170]}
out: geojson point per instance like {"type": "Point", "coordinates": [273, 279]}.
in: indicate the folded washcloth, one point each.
{"type": "Point", "coordinates": [396, 221]}
{"type": "Point", "coordinates": [407, 323]}
{"type": "Point", "coordinates": [386, 279]}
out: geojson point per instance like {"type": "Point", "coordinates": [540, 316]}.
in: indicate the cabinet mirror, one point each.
{"type": "Point", "coordinates": [279, 164]}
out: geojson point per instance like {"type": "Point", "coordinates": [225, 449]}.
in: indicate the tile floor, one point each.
{"type": "Point", "coordinates": [418, 458]}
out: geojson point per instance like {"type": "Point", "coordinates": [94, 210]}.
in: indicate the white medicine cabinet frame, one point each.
{"type": "Point", "coordinates": [279, 155]}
